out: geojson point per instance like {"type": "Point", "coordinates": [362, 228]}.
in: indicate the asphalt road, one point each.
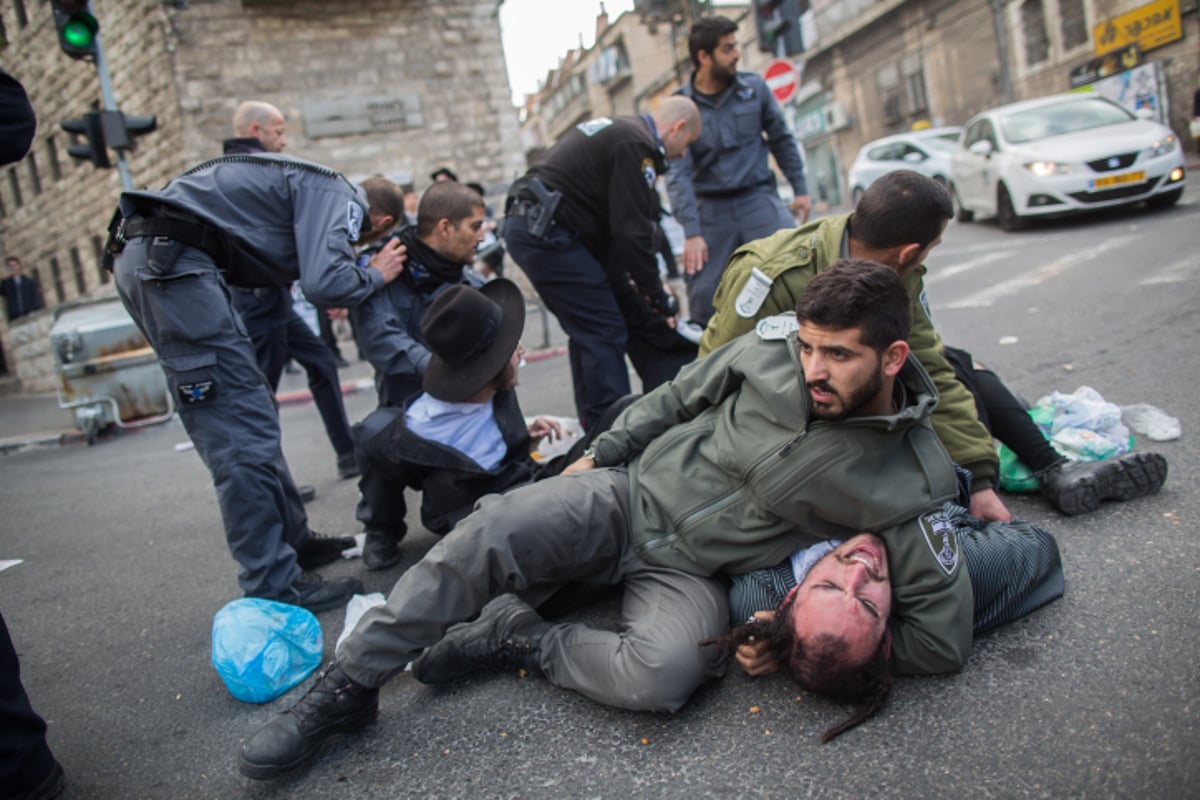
{"type": "Point", "coordinates": [1097, 695]}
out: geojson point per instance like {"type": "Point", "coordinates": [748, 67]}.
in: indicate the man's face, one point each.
{"type": "Point", "coordinates": [844, 377]}
{"type": "Point", "coordinates": [723, 60]}
{"type": "Point", "coordinates": [13, 266]}
{"type": "Point", "coordinates": [271, 135]}
{"type": "Point", "coordinates": [848, 595]}
{"type": "Point", "coordinates": [459, 243]}
{"type": "Point", "coordinates": [411, 200]}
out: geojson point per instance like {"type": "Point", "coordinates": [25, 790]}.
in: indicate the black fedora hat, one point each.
{"type": "Point", "coordinates": [472, 333]}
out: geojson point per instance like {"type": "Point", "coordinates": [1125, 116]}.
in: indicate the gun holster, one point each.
{"type": "Point", "coordinates": [540, 212]}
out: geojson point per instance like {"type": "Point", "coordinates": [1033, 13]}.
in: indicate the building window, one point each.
{"type": "Point", "coordinates": [914, 84]}
{"type": "Point", "coordinates": [52, 158]}
{"type": "Point", "coordinates": [14, 185]}
{"type": "Point", "coordinates": [19, 10]}
{"type": "Point", "coordinates": [889, 92]}
{"type": "Point", "coordinates": [56, 276]}
{"type": "Point", "coordinates": [1033, 27]}
{"type": "Point", "coordinates": [77, 269]}
{"type": "Point", "coordinates": [1073, 22]}
{"type": "Point", "coordinates": [34, 178]}
{"type": "Point", "coordinates": [98, 252]}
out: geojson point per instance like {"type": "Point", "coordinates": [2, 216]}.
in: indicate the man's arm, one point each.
{"type": "Point", "coordinates": [632, 222]}
{"type": "Point", "coordinates": [382, 333]}
{"type": "Point", "coordinates": [782, 143]}
{"type": "Point", "coordinates": [321, 224]}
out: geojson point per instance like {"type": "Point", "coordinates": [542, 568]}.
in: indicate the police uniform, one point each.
{"type": "Point", "coordinates": [251, 221]}
{"type": "Point", "coordinates": [723, 188]}
{"type": "Point", "coordinates": [602, 233]}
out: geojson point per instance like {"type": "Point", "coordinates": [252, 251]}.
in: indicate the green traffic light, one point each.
{"type": "Point", "coordinates": [80, 30]}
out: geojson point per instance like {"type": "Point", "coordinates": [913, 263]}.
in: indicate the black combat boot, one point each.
{"type": "Point", "coordinates": [318, 549]}
{"type": "Point", "coordinates": [1078, 487]}
{"type": "Point", "coordinates": [507, 635]}
{"type": "Point", "coordinates": [381, 550]}
{"type": "Point", "coordinates": [334, 704]}
{"type": "Point", "coordinates": [313, 592]}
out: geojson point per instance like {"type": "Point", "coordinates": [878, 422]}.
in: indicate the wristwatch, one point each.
{"type": "Point", "coordinates": [589, 452]}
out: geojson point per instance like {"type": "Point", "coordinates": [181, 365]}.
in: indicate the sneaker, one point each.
{"type": "Point", "coordinates": [319, 549]}
{"type": "Point", "coordinates": [347, 466]}
{"type": "Point", "coordinates": [334, 704]}
{"type": "Point", "coordinates": [507, 635]}
{"type": "Point", "coordinates": [1078, 487]}
{"type": "Point", "coordinates": [381, 550]}
{"type": "Point", "coordinates": [317, 594]}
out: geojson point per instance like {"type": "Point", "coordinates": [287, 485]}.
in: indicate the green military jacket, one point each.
{"type": "Point", "coordinates": [790, 259]}
{"type": "Point", "coordinates": [729, 474]}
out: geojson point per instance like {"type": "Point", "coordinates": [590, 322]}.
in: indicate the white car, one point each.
{"type": "Point", "coordinates": [928, 152]}
{"type": "Point", "coordinates": [1063, 154]}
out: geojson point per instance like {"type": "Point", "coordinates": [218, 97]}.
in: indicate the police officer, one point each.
{"type": "Point", "coordinates": [250, 221]}
{"type": "Point", "coordinates": [723, 193]}
{"type": "Point", "coordinates": [583, 220]}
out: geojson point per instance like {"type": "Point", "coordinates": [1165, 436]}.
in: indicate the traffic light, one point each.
{"type": "Point", "coordinates": [120, 130]}
{"type": "Point", "coordinates": [779, 24]}
{"type": "Point", "coordinates": [77, 28]}
{"type": "Point", "coordinates": [92, 129]}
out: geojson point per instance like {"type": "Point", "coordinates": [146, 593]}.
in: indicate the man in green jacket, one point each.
{"type": "Point", "coordinates": [899, 220]}
{"type": "Point", "coordinates": [817, 428]}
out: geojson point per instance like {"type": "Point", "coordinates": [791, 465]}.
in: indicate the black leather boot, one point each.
{"type": "Point", "coordinates": [381, 550]}
{"type": "Point", "coordinates": [334, 704]}
{"type": "Point", "coordinates": [507, 635]}
{"type": "Point", "coordinates": [1078, 487]}
{"type": "Point", "coordinates": [317, 549]}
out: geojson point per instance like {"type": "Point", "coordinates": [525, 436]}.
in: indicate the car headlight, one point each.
{"type": "Point", "coordinates": [1047, 169]}
{"type": "Point", "coordinates": [1160, 148]}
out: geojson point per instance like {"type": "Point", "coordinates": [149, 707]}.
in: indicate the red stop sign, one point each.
{"type": "Point", "coordinates": [781, 77]}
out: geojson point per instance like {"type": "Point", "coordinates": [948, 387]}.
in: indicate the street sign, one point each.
{"type": "Point", "coordinates": [781, 77]}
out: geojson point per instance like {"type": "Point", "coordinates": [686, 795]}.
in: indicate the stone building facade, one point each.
{"type": "Point", "coordinates": [392, 87]}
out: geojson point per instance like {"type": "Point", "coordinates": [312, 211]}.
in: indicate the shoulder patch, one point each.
{"type": "Point", "coordinates": [776, 327]}
{"type": "Point", "coordinates": [594, 126]}
{"type": "Point", "coordinates": [942, 539]}
{"type": "Point", "coordinates": [354, 220]}
{"type": "Point", "coordinates": [753, 293]}
{"type": "Point", "coordinates": [648, 171]}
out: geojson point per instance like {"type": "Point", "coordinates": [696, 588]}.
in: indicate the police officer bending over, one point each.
{"type": "Point", "coordinates": [249, 221]}
{"type": "Point", "coordinates": [582, 221]}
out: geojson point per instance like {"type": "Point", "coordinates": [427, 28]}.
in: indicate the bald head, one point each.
{"type": "Point", "coordinates": [263, 121]}
{"type": "Point", "coordinates": [678, 123]}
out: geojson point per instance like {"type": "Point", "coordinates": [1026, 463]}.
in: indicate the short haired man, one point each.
{"type": "Point", "coordinates": [278, 332]}
{"type": "Point", "coordinates": [740, 460]}
{"type": "Point", "coordinates": [598, 232]}
{"type": "Point", "coordinates": [723, 191]}
{"type": "Point", "coordinates": [21, 293]}
{"type": "Point", "coordinates": [899, 220]}
{"type": "Point", "coordinates": [244, 221]}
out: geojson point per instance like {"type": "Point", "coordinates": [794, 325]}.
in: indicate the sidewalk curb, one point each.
{"type": "Point", "coordinates": [47, 439]}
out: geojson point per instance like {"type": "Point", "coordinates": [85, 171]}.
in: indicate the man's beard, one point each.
{"type": "Point", "coordinates": [723, 74]}
{"type": "Point", "coordinates": [851, 405]}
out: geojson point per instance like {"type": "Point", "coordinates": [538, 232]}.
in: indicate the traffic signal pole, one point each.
{"type": "Point", "coordinates": [109, 103]}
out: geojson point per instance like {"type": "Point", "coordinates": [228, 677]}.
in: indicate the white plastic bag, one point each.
{"type": "Point", "coordinates": [359, 604]}
{"type": "Point", "coordinates": [1085, 426]}
{"type": "Point", "coordinates": [1153, 423]}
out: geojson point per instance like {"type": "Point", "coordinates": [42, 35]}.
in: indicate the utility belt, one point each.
{"type": "Point", "coordinates": [167, 231]}
{"type": "Point", "coordinates": [730, 194]}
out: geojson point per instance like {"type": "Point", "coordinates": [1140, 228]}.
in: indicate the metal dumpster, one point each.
{"type": "Point", "coordinates": [107, 372]}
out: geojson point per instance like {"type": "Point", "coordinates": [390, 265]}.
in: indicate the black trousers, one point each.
{"type": "Point", "coordinates": [25, 758]}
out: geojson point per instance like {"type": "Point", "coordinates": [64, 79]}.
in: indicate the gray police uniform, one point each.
{"type": "Point", "coordinates": [723, 188]}
{"type": "Point", "coordinates": [244, 221]}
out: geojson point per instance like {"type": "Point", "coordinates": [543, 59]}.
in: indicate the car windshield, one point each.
{"type": "Point", "coordinates": [1068, 116]}
{"type": "Point", "coordinates": [942, 143]}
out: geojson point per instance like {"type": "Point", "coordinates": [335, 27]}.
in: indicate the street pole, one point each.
{"type": "Point", "coordinates": [109, 102]}
{"type": "Point", "coordinates": [1002, 47]}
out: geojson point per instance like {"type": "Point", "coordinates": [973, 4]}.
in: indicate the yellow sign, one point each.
{"type": "Point", "coordinates": [1149, 26]}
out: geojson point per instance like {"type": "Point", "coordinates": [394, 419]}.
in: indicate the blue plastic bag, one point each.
{"type": "Point", "coordinates": [262, 648]}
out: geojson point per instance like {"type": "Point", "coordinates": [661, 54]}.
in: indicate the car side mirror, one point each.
{"type": "Point", "coordinates": [981, 148]}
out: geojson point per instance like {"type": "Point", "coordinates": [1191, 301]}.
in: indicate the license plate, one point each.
{"type": "Point", "coordinates": [1117, 180]}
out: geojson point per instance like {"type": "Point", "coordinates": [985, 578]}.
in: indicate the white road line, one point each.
{"type": "Point", "coordinates": [1038, 276]}
{"type": "Point", "coordinates": [1180, 271]}
{"type": "Point", "coordinates": [940, 273]}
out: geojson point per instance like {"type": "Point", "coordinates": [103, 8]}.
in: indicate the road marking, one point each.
{"type": "Point", "coordinates": [942, 273]}
{"type": "Point", "coordinates": [1178, 272]}
{"type": "Point", "coordinates": [1040, 275]}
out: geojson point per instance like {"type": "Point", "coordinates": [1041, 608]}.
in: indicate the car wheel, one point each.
{"type": "Point", "coordinates": [961, 214]}
{"type": "Point", "coordinates": [1005, 213]}
{"type": "Point", "coordinates": [1165, 200]}
{"type": "Point", "coordinates": [856, 196]}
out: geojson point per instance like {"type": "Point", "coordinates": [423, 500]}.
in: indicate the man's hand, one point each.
{"type": "Point", "coordinates": [986, 505]}
{"type": "Point", "coordinates": [541, 427]}
{"type": "Point", "coordinates": [389, 261]}
{"type": "Point", "coordinates": [337, 314]}
{"type": "Point", "coordinates": [580, 465]}
{"type": "Point", "coordinates": [802, 207]}
{"type": "Point", "coordinates": [695, 253]}
{"type": "Point", "coordinates": [753, 656]}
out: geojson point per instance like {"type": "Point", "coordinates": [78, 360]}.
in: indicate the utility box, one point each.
{"type": "Point", "coordinates": [107, 372]}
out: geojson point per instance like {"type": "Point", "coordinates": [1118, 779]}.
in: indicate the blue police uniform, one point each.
{"type": "Point", "coordinates": [252, 221]}
{"type": "Point", "coordinates": [723, 189]}
{"type": "Point", "coordinates": [602, 235]}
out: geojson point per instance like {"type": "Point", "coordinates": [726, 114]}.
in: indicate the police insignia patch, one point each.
{"type": "Point", "coordinates": [648, 171]}
{"type": "Point", "coordinates": [942, 539]}
{"type": "Point", "coordinates": [593, 126]}
{"type": "Point", "coordinates": [354, 219]}
{"type": "Point", "coordinates": [780, 326]}
{"type": "Point", "coordinates": [199, 392]}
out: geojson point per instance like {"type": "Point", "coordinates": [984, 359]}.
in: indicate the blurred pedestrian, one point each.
{"type": "Point", "coordinates": [21, 293]}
